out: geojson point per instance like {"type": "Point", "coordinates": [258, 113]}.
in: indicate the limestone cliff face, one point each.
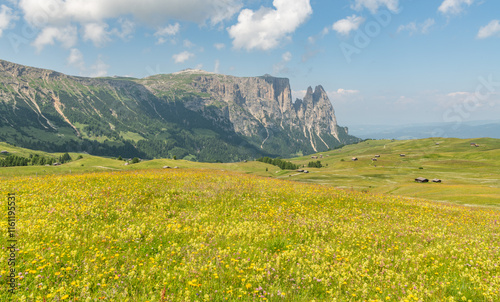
{"type": "Point", "coordinates": [250, 102]}
{"type": "Point", "coordinates": [318, 115]}
{"type": "Point", "coordinates": [194, 114]}
{"type": "Point", "coordinates": [263, 107]}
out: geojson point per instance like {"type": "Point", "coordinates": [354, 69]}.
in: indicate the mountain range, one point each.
{"type": "Point", "coordinates": [466, 129]}
{"type": "Point", "coordinates": [190, 114]}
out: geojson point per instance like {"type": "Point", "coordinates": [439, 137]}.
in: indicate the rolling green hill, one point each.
{"type": "Point", "coordinates": [470, 175]}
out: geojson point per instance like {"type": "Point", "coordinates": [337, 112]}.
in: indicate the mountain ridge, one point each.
{"type": "Point", "coordinates": [189, 114]}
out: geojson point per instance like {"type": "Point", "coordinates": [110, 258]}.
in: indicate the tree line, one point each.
{"type": "Point", "coordinates": [33, 160]}
{"type": "Point", "coordinates": [282, 164]}
{"type": "Point", "coordinates": [315, 164]}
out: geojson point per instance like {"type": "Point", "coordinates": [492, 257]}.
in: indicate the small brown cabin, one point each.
{"type": "Point", "coordinates": [421, 179]}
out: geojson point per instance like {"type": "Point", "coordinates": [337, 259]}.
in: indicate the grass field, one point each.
{"type": "Point", "coordinates": [470, 175]}
{"type": "Point", "coordinates": [96, 229]}
{"type": "Point", "coordinates": [211, 235]}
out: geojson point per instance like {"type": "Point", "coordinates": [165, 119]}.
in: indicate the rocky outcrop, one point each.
{"type": "Point", "coordinates": [255, 105]}
{"type": "Point", "coordinates": [183, 113]}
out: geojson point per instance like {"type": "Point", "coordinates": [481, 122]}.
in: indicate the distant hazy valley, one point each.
{"type": "Point", "coordinates": [417, 131]}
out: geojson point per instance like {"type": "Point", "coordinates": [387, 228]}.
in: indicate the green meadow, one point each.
{"type": "Point", "coordinates": [95, 229]}
{"type": "Point", "coordinates": [469, 174]}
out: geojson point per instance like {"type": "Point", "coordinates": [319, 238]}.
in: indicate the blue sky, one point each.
{"type": "Point", "coordinates": [381, 61]}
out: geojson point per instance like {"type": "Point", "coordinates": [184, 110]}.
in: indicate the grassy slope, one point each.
{"type": "Point", "coordinates": [470, 175]}
{"type": "Point", "coordinates": [90, 163]}
{"type": "Point", "coordinates": [196, 235]}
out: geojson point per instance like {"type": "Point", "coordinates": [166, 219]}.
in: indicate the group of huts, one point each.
{"type": "Point", "coordinates": [436, 180]}
{"type": "Point", "coordinates": [418, 179]}
{"type": "Point", "coordinates": [375, 157]}
{"type": "Point", "coordinates": [319, 156]}
{"type": "Point", "coordinates": [422, 180]}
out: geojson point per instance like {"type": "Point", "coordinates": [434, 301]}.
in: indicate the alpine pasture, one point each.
{"type": "Point", "coordinates": [211, 235]}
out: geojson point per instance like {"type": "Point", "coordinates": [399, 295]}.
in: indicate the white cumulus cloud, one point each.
{"type": "Point", "coordinates": [149, 11]}
{"type": "Point", "coordinates": [459, 94]}
{"type": "Point", "coordinates": [281, 67]}
{"type": "Point", "coordinates": [7, 16]}
{"type": "Point", "coordinates": [492, 29]}
{"type": "Point", "coordinates": [127, 28]}
{"type": "Point", "coordinates": [169, 30]}
{"type": "Point", "coordinates": [97, 33]}
{"type": "Point", "coordinates": [219, 46]}
{"type": "Point", "coordinates": [287, 56]}
{"type": "Point", "coordinates": [473, 100]}
{"type": "Point", "coordinates": [342, 91]}
{"type": "Point", "coordinates": [346, 97]}
{"type": "Point", "coordinates": [374, 5]}
{"type": "Point", "coordinates": [266, 28]}
{"type": "Point", "coordinates": [75, 58]}
{"type": "Point", "coordinates": [345, 26]}
{"type": "Point", "coordinates": [67, 36]}
{"type": "Point", "coordinates": [188, 44]}
{"type": "Point", "coordinates": [454, 6]}
{"type": "Point", "coordinates": [49, 15]}
{"type": "Point", "coordinates": [99, 69]}
{"type": "Point", "coordinates": [298, 94]}
{"type": "Point", "coordinates": [414, 27]}
{"type": "Point", "coordinates": [182, 57]}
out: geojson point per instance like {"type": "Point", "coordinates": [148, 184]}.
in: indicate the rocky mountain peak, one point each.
{"type": "Point", "coordinates": [319, 90]}
{"type": "Point", "coordinates": [183, 113]}
{"type": "Point", "coordinates": [309, 92]}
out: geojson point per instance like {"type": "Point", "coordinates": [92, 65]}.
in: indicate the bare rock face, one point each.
{"type": "Point", "coordinates": [317, 115]}
{"type": "Point", "coordinates": [250, 102]}
{"type": "Point", "coordinates": [193, 114]}
{"type": "Point", "coordinates": [262, 106]}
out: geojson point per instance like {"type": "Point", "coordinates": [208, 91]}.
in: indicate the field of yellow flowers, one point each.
{"type": "Point", "coordinates": [200, 235]}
